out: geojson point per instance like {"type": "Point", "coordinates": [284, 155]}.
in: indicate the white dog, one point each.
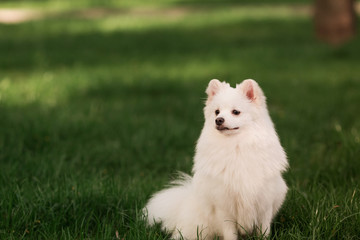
{"type": "Point", "coordinates": [237, 186]}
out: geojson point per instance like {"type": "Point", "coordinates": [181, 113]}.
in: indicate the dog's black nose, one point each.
{"type": "Point", "coordinates": [219, 121]}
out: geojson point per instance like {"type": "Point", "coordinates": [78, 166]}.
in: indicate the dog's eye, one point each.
{"type": "Point", "coordinates": [217, 112]}
{"type": "Point", "coordinates": [236, 112]}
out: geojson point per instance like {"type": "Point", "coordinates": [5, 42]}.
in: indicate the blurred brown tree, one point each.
{"type": "Point", "coordinates": [335, 20]}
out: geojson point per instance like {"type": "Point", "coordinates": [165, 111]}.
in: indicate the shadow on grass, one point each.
{"type": "Point", "coordinates": [158, 46]}
{"type": "Point", "coordinates": [84, 170]}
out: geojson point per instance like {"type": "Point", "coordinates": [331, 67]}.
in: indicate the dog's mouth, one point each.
{"type": "Point", "coordinates": [222, 128]}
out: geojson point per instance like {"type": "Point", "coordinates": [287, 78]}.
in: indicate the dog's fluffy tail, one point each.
{"type": "Point", "coordinates": [167, 205]}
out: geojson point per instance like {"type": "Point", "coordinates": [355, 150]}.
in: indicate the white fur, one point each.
{"type": "Point", "coordinates": [237, 186]}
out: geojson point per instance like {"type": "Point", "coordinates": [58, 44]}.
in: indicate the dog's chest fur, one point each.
{"type": "Point", "coordinates": [240, 165]}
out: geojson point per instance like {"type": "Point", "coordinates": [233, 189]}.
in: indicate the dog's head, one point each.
{"type": "Point", "coordinates": [229, 109]}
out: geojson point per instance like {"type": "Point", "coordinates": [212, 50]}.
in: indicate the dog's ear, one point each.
{"type": "Point", "coordinates": [251, 89]}
{"type": "Point", "coordinates": [213, 88]}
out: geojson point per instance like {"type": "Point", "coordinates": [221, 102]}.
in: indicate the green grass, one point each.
{"type": "Point", "coordinates": [68, 4]}
{"type": "Point", "coordinates": [96, 115]}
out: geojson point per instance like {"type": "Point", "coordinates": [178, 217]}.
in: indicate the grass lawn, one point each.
{"type": "Point", "coordinates": [99, 112]}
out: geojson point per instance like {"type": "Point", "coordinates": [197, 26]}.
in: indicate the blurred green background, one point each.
{"type": "Point", "coordinates": [101, 103]}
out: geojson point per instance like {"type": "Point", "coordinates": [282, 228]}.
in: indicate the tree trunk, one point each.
{"type": "Point", "coordinates": [335, 20]}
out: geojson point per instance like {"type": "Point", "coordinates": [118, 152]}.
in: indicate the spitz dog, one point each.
{"type": "Point", "coordinates": [237, 185]}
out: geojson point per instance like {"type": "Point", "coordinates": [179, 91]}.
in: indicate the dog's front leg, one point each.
{"type": "Point", "coordinates": [264, 222]}
{"type": "Point", "coordinates": [230, 231]}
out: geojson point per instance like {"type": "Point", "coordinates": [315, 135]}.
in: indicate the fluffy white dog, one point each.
{"type": "Point", "coordinates": [237, 186]}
